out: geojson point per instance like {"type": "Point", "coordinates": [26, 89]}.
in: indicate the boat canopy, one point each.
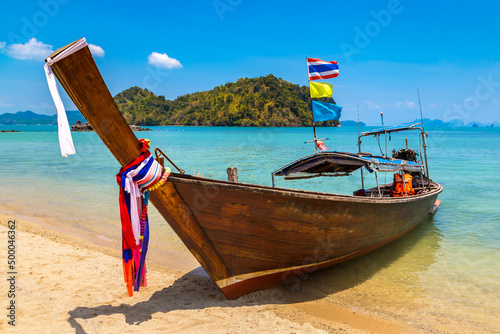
{"type": "Point", "coordinates": [340, 164]}
{"type": "Point", "coordinates": [403, 127]}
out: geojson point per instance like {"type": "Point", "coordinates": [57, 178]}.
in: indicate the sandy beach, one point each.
{"type": "Point", "coordinates": [65, 284]}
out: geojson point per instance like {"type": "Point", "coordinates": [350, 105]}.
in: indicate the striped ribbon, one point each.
{"type": "Point", "coordinates": [136, 180]}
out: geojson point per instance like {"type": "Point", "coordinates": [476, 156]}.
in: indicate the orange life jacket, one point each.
{"type": "Point", "coordinates": [398, 187]}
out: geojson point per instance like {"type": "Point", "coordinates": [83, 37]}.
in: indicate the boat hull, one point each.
{"type": "Point", "coordinates": [266, 236]}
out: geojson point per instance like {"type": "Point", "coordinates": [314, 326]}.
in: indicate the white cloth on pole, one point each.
{"type": "Point", "coordinates": [64, 132]}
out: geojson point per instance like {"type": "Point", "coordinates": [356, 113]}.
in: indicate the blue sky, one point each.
{"type": "Point", "coordinates": [385, 50]}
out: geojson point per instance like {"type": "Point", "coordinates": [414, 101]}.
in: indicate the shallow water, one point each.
{"type": "Point", "coordinates": [449, 268]}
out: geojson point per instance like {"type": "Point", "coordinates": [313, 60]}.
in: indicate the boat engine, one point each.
{"type": "Point", "coordinates": [407, 154]}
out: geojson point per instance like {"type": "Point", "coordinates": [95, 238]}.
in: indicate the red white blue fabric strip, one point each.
{"type": "Point", "coordinates": [320, 69]}
{"type": "Point", "coordinates": [135, 180]}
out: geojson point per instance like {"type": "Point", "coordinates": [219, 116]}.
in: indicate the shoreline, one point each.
{"type": "Point", "coordinates": [60, 264]}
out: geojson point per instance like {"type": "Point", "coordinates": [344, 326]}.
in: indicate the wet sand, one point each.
{"type": "Point", "coordinates": [66, 284]}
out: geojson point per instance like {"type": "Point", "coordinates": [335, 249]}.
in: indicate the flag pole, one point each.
{"type": "Point", "coordinates": [315, 138]}
{"type": "Point", "coordinates": [314, 125]}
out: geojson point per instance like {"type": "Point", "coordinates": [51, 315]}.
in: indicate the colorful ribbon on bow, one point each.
{"type": "Point", "coordinates": [135, 181]}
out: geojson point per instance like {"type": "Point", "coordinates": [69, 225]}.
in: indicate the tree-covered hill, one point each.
{"type": "Point", "coordinates": [263, 101]}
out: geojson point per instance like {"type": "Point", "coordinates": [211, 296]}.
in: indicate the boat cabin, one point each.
{"type": "Point", "coordinates": [410, 175]}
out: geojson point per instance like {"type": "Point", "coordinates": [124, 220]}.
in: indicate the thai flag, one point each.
{"type": "Point", "coordinates": [320, 69]}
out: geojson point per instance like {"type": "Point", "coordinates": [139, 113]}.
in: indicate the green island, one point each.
{"type": "Point", "coordinates": [262, 101]}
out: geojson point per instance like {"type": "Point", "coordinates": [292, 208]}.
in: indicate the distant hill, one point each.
{"type": "Point", "coordinates": [435, 123]}
{"type": "Point", "coordinates": [31, 118]}
{"type": "Point", "coordinates": [483, 125]}
{"type": "Point", "coordinates": [263, 101]}
{"type": "Point", "coordinates": [352, 123]}
{"type": "Point", "coordinates": [454, 123]}
{"type": "Point", "coordinates": [229, 104]}
{"type": "Point", "coordinates": [25, 117]}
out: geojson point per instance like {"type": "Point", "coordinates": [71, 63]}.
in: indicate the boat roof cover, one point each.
{"type": "Point", "coordinates": [402, 127]}
{"type": "Point", "coordinates": [339, 163]}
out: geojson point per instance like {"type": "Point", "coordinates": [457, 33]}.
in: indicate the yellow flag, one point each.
{"type": "Point", "coordinates": [320, 89]}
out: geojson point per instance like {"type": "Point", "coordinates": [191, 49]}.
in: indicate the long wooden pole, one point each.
{"type": "Point", "coordinates": [80, 78]}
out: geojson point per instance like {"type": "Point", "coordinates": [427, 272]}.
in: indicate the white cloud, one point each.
{"type": "Point", "coordinates": [433, 105]}
{"type": "Point", "coordinates": [2, 45]}
{"type": "Point", "coordinates": [5, 104]}
{"type": "Point", "coordinates": [163, 61]}
{"type": "Point", "coordinates": [371, 105]}
{"type": "Point", "coordinates": [471, 103]}
{"type": "Point", "coordinates": [31, 50]}
{"type": "Point", "coordinates": [405, 104]}
{"type": "Point", "coordinates": [96, 50]}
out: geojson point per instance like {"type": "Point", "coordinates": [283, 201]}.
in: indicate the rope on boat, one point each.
{"type": "Point", "coordinates": [159, 153]}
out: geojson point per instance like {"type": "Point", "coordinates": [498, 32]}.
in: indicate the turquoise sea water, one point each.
{"type": "Point", "coordinates": [448, 268]}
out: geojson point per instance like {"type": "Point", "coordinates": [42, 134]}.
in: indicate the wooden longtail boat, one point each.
{"type": "Point", "coordinates": [248, 237]}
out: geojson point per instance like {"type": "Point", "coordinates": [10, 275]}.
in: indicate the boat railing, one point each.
{"type": "Point", "coordinates": [160, 155]}
{"type": "Point", "coordinates": [406, 127]}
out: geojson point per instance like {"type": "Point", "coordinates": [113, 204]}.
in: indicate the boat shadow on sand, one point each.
{"type": "Point", "coordinates": [195, 290]}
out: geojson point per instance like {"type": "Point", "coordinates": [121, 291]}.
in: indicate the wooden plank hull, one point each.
{"type": "Point", "coordinates": [247, 237]}
{"type": "Point", "coordinates": [267, 235]}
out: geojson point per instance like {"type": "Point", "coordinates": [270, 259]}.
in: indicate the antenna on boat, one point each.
{"type": "Point", "coordinates": [420, 106]}
{"type": "Point", "coordinates": [358, 121]}
{"type": "Point", "coordinates": [385, 133]}
{"type": "Point", "coordinates": [424, 143]}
